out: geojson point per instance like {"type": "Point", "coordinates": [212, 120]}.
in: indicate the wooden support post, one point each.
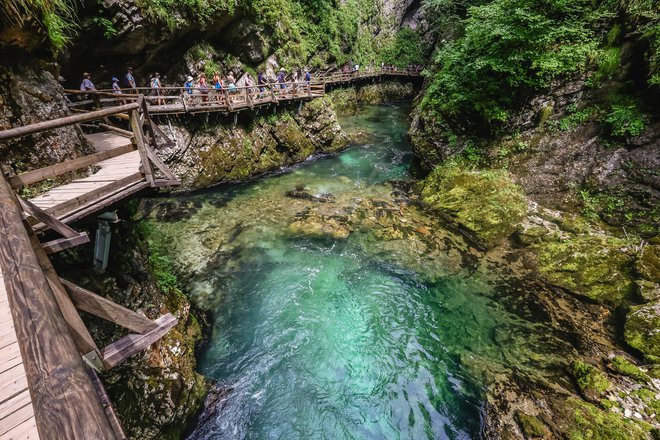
{"type": "Point", "coordinates": [50, 221]}
{"type": "Point", "coordinates": [64, 400]}
{"type": "Point", "coordinates": [117, 352]}
{"type": "Point", "coordinates": [142, 148]}
{"type": "Point", "coordinates": [235, 119]}
{"type": "Point", "coordinates": [102, 307]}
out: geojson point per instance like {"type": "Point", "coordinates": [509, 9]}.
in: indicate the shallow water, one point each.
{"type": "Point", "coordinates": [328, 338]}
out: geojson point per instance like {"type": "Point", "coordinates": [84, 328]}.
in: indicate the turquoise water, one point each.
{"type": "Point", "coordinates": [345, 338]}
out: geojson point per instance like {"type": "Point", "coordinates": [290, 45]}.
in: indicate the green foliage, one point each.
{"type": "Point", "coordinates": [172, 12]}
{"type": "Point", "coordinates": [106, 26]}
{"type": "Point", "coordinates": [510, 47]}
{"type": "Point", "coordinates": [576, 117]}
{"type": "Point", "coordinates": [608, 62]}
{"type": "Point", "coordinates": [56, 18]}
{"type": "Point", "coordinates": [625, 120]}
{"type": "Point", "coordinates": [159, 260]}
{"type": "Point", "coordinates": [405, 49]}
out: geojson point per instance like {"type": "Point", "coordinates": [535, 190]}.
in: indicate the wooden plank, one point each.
{"type": "Point", "coordinates": [15, 402]}
{"type": "Point", "coordinates": [102, 307]}
{"type": "Point", "coordinates": [64, 401]}
{"type": "Point", "coordinates": [98, 193]}
{"type": "Point", "coordinates": [116, 129]}
{"type": "Point", "coordinates": [119, 351]}
{"type": "Point", "coordinates": [66, 167]}
{"type": "Point", "coordinates": [25, 431]}
{"type": "Point", "coordinates": [15, 418]}
{"type": "Point", "coordinates": [10, 356]}
{"type": "Point", "coordinates": [65, 243]}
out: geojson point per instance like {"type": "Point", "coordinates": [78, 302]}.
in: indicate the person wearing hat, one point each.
{"type": "Point", "coordinates": [188, 85]}
{"type": "Point", "coordinates": [281, 78]}
{"type": "Point", "coordinates": [129, 80]}
{"type": "Point", "coordinates": [115, 85]}
{"type": "Point", "coordinates": [156, 87]}
{"type": "Point", "coordinates": [308, 76]}
{"type": "Point", "coordinates": [87, 85]}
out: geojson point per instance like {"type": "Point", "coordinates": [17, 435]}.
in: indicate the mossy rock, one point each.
{"type": "Point", "coordinates": [642, 329]}
{"type": "Point", "coordinates": [648, 290]}
{"type": "Point", "coordinates": [588, 422]}
{"type": "Point", "coordinates": [532, 235]}
{"type": "Point", "coordinates": [648, 263]}
{"type": "Point", "coordinates": [597, 267]}
{"type": "Point", "coordinates": [531, 426]}
{"type": "Point", "coordinates": [623, 366]}
{"type": "Point", "coordinates": [486, 203]}
{"type": "Point", "coordinates": [591, 381]}
{"type": "Point", "coordinates": [651, 403]}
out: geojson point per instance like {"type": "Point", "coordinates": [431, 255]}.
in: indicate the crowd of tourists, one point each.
{"type": "Point", "coordinates": [201, 86]}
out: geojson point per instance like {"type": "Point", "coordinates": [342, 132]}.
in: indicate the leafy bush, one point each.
{"type": "Point", "coordinates": [510, 48]}
{"type": "Point", "coordinates": [57, 18]}
{"type": "Point", "coordinates": [405, 49]}
{"type": "Point", "coordinates": [625, 120]}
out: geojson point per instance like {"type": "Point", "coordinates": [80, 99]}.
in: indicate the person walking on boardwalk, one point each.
{"type": "Point", "coordinates": [87, 85]}
{"type": "Point", "coordinates": [217, 86]}
{"type": "Point", "coordinates": [261, 82]}
{"type": "Point", "coordinates": [156, 88]}
{"type": "Point", "coordinates": [188, 85]}
{"type": "Point", "coordinates": [203, 87]}
{"type": "Point", "coordinates": [308, 76]}
{"type": "Point", "coordinates": [129, 81]}
{"type": "Point", "coordinates": [281, 78]}
{"type": "Point", "coordinates": [116, 89]}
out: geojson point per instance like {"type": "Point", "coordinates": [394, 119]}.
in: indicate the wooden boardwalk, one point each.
{"type": "Point", "coordinates": [117, 175]}
{"type": "Point", "coordinates": [17, 420]}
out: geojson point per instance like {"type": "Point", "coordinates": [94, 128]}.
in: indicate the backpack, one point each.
{"type": "Point", "coordinates": [308, 76]}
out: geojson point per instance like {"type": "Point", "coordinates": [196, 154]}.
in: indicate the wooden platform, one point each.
{"type": "Point", "coordinates": [17, 420]}
{"type": "Point", "coordinates": [116, 178]}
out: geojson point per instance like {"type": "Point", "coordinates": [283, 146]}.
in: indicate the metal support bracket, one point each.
{"type": "Point", "coordinates": [93, 360]}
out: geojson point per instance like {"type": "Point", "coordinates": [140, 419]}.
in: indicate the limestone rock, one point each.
{"type": "Point", "coordinates": [642, 329]}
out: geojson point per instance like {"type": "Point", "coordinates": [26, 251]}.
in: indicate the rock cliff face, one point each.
{"type": "Point", "coordinates": [30, 94]}
{"type": "Point", "coordinates": [208, 154]}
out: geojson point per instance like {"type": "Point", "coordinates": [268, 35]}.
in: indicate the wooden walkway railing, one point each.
{"type": "Point", "coordinates": [180, 100]}
{"type": "Point", "coordinates": [52, 391]}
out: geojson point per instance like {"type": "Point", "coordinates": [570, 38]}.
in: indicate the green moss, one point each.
{"type": "Point", "coordinates": [591, 423]}
{"type": "Point", "coordinates": [642, 329]}
{"type": "Point", "coordinates": [648, 263]}
{"type": "Point", "coordinates": [623, 366]}
{"type": "Point", "coordinates": [594, 266]}
{"type": "Point", "coordinates": [487, 203]}
{"type": "Point", "coordinates": [652, 405]}
{"type": "Point", "coordinates": [530, 425]}
{"type": "Point", "coordinates": [591, 381]}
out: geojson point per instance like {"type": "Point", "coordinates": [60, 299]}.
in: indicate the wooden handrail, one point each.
{"type": "Point", "coordinates": [63, 397]}
{"type": "Point", "coordinates": [25, 130]}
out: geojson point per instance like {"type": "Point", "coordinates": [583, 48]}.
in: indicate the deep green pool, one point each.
{"type": "Point", "coordinates": [327, 338]}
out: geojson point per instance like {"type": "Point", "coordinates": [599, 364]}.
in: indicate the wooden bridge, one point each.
{"type": "Point", "coordinates": [181, 100]}
{"type": "Point", "coordinates": [48, 359]}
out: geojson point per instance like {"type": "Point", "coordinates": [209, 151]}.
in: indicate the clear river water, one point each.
{"type": "Point", "coordinates": [391, 331]}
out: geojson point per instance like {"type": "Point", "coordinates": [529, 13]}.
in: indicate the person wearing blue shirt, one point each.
{"type": "Point", "coordinates": [188, 85]}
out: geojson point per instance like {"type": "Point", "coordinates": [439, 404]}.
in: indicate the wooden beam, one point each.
{"type": "Point", "coordinates": [102, 307]}
{"type": "Point", "coordinates": [64, 400]}
{"type": "Point", "coordinates": [127, 133]}
{"type": "Point", "coordinates": [65, 243]}
{"type": "Point", "coordinates": [160, 164]}
{"type": "Point", "coordinates": [119, 351]}
{"type": "Point", "coordinates": [68, 166]}
{"type": "Point", "coordinates": [47, 219]}
{"type": "Point", "coordinates": [16, 132]}
{"type": "Point", "coordinates": [139, 140]}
